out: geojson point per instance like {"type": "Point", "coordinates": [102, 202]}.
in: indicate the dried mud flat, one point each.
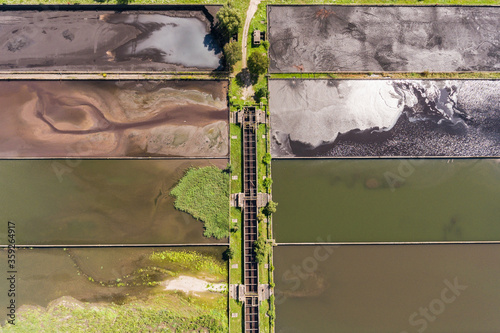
{"type": "Point", "coordinates": [364, 38]}
{"type": "Point", "coordinates": [174, 40]}
{"type": "Point", "coordinates": [113, 119]}
{"type": "Point", "coordinates": [373, 118]}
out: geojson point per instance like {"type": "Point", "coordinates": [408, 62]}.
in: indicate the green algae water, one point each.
{"type": "Point", "coordinates": [387, 288]}
{"type": "Point", "coordinates": [97, 202]}
{"type": "Point", "coordinates": [386, 200]}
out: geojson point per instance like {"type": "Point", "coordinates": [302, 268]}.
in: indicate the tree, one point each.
{"type": "Point", "coordinates": [228, 254]}
{"type": "Point", "coordinates": [270, 208]}
{"type": "Point", "coordinates": [260, 94]}
{"type": "Point", "coordinates": [266, 159]}
{"type": "Point", "coordinates": [258, 63]}
{"type": "Point", "coordinates": [229, 168]}
{"type": "Point", "coordinates": [229, 20]}
{"type": "Point", "coordinates": [261, 249]}
{"type": "Point", "coordinates": [232, 53]}
{"type": "Point", "coordinates": [268, 182]}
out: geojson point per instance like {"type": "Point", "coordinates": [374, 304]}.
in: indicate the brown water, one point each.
{"type": "Point", "coordinates": [387, 289]}
{"type": "Point", "coordinates": [44, 275]}
{"type": "Point", "coordinates": [96, 202]}
{"type": "Point", "coordinates": [113, 119]}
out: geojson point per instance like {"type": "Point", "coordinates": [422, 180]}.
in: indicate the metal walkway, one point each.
{"type": "Point", "coordinates": [250, 230]}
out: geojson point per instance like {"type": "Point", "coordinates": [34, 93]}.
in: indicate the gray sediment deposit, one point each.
{"type": "Point", "coordinates": [384, 38]}
{"type": "Point", "coordinates": [113, 119]}
{"type": "Point", "coordinates": [174, 40]}
{"type": "Point", "coordinates": [353, 118]}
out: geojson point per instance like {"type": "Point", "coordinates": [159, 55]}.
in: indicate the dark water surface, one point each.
{"type": "Point", "coordinates": [387, 289]}
{"type": "Point", "coordinates": [96, 202]}
{"type": "Point", "coordinates": [108, 40]}
{"type": "Point", "coordinates": [386, 200]}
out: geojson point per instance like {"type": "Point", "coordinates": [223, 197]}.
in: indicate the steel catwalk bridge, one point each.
{"type": "Point", "coordinates": [250, 230]}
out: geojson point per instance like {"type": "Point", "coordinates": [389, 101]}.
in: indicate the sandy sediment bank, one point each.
{"type": "Point", "coordinates": [113, 119]}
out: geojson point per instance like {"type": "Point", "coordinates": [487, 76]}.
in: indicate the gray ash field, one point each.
{"type": "Point", "coordinates": [368, 118]}
{"type": "Point", "coordinates": [174, 40]}
{"type": "Point", "coordinates": [362, 38]}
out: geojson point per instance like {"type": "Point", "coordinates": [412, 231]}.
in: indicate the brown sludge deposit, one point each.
{"type": "Point", "coordinates": [113, 119]}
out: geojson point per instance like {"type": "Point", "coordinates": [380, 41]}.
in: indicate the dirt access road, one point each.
{"type": "Point", "coordinates": [252, 9]}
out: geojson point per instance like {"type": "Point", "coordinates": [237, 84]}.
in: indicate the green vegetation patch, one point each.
{"type": "Point", "coordinates": [204, 193]}
{"type": "Point", "coordinates": [236, 147]}
{"type": "Point", "coordinates": [189, 261]}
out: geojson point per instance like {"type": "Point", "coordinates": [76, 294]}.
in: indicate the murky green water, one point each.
{"type": "Point", "coordinates": [387, 289]}
{"type": "Point", "coordinates": [96, 202]}
{"type": "Point", "coordinates": [44, 275]}
{"type": "Point", "coordinates": [386, 200]}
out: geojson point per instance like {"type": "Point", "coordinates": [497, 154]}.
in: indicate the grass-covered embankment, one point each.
{"type": "Point", "coordinates": [204, 193]}
{"type": "Point", "coordinates": [161, 313]}
{"type": "Point", "coordinates": [388, 75]}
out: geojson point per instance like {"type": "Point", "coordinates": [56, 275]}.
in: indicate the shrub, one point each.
{"type": "Point", "coordinates": [268, 182]}
{"type": "Point", "coordinates": [266, 159]}
{"type": "Point", "coordinates": [261, 93]}
{"type": "Point", "coordinates": [204, 193]}
{"type": "Point", "coordinates": [228, 254]}
{"type": "Point", "coordinates": [261, 217]}
{"type": "Point", "coordinates": [270, 208]}
{"type": "Point", "coordinates": [261, 249]}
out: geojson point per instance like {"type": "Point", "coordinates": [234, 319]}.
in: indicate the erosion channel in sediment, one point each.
{"type": "Point", "coordinates": [113, 119]}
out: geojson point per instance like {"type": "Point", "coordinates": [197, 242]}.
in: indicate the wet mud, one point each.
{"type": "Point", "coordinates": [356, 118]}
{"type": "Point", "coordinates": [174, 40]}
{"type": "Point", "coordinates": [379, 38]}
{"type": "Point", "coordinates": [113, 119]}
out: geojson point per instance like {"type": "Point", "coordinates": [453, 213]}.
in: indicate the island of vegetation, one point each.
{"type": "Point", "coordinates": [204, 193]}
